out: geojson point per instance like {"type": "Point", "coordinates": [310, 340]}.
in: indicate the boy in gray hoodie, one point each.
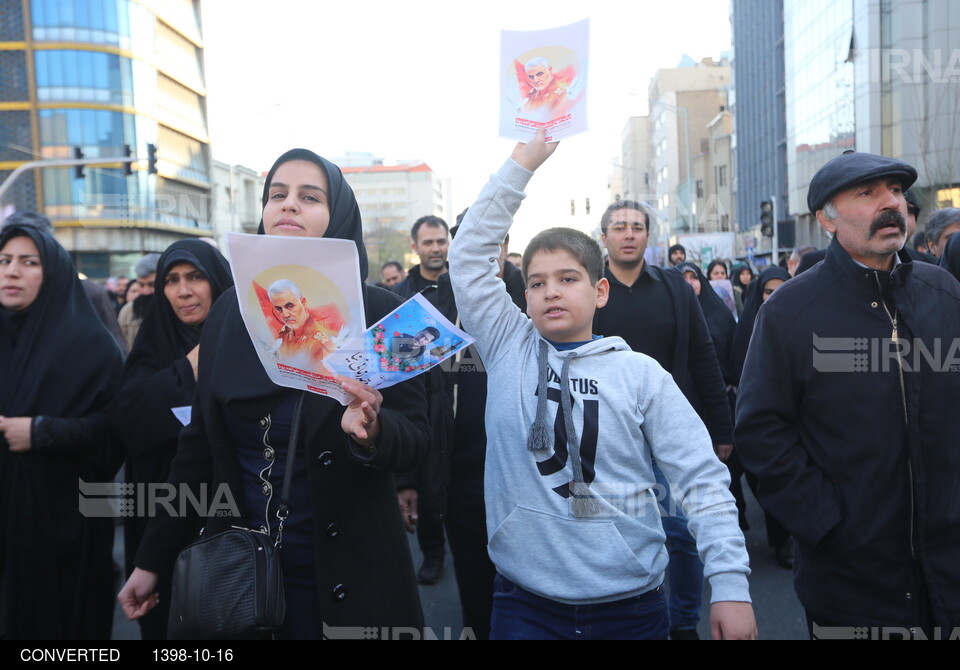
{"type": "Point", "coordinates": [573, 424]}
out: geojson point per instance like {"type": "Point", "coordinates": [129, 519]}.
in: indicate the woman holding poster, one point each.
{"type": "Point", "coordinates": [345, 555]}
{"type": "Point", "coordinates": [59, 369]}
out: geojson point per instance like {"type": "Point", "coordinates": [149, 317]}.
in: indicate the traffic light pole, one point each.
{"type": "Point", "coordinates": [775, 256]}
{"type": "Point", "coordinates": [60, 162]}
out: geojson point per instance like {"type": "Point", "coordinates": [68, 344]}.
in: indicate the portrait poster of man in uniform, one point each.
{"type": "Point", "coordinates": [300, 300]}
{"type": "Point", "coordinates": [543, 81]}
{"type": "Point", "coordinates": [407, 342]}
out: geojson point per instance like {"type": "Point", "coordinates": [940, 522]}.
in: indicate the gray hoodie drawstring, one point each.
{"type": "Point", "coordinates": [582, 503]}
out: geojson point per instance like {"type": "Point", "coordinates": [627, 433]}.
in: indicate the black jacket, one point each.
{"type": "Point", "coordinates": [470, 434]}
{"type": "Point", "coordinates": [695, 369]}
{"type": "Point", "coordinates": [430, 479]}
{"type": "Point", "coordinates": [871, 499]}
{"type": "Point", "coordinates": [364, 570]}
{"type": "Point", "coordinates": [808, 260]}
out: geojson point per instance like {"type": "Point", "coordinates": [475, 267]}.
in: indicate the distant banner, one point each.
{"type": "Point", "coordinates": [543, 81]}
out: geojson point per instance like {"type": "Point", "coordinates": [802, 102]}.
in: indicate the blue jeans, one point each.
{"type": "Point", "coordinates": [521, 615]}
{"type": "Point", "coordinates": [686, 571]}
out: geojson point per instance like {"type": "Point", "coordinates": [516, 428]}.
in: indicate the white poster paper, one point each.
{"type": "Point", "coordinates": [543, 81]}
{"type": "Point", "coordinates": [300, 299]}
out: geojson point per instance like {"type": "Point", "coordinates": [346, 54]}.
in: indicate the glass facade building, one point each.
{"type": "Point", "coordinates": [819, 51]}
{"type": "Point", "coordinates": [759, 112]}
{"type": "Point", "coordinates": [98, 76]}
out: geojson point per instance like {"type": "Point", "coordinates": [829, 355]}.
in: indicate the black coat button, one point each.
{"type": "Point", "coordinates": [266, 488]}
{"type": "Point", "coordinates": [326, 459]}
{"type": "Point", "coordinates": [268, 453]}
{"type": "Point", "coordinates": [264, 423]}
{"type": "Point", "coordinates": [339, 592]}
{"type": "Point", "coordinates": [332, 531]}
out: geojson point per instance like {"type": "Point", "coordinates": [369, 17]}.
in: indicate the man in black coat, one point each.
{"type": "Point", "coordinates": [423, 493]}
{"type": "Point", "coordinates": [852, 372]}
{"type": "Point", "coordinates": [656, 312]}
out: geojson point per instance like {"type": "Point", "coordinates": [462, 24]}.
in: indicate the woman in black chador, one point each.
{"type": "Point", "coordinates": [160, 375]}
{"type": "Point", "coordinates": [59, 370]}
{"type": "Point", "coordinates": [345, 554]}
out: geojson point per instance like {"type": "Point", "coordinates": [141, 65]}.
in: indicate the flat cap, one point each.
{"type": "Point", "coordinates": [852, 168]}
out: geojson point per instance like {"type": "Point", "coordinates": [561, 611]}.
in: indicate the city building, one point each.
{"type": "Point", "coordinates": [236, 199]}
{"type": "Point", "coordinates": [98, 78]}
{"type": "Point", "coordinates": [757, 102]}
{"type": "Point", "coordinates": [391, 198]}
{"type": "Point", "coordinates": [713, 208]}
{"type": "Point", "coordinates": [683, 101]}
{"type": "Point", "coordinates": [873, 76]}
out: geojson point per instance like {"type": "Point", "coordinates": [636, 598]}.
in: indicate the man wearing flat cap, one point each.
{"type": "Point", "coordinates": [842, 413]}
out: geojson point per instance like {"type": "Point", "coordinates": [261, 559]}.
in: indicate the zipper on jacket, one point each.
{"type": "Point", "coordinates": [903, 397]}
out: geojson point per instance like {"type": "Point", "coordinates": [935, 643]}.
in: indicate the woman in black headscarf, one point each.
{"type": "Point", "coordinates": [742, 278]}
{"type": "Point", "coordinates": [345, 553]}
{"type": "Point", "coordinates": [160, 375]}
{"type": "Point", "coordinates": [950, 259]}
{"type": "Point", "coordinates": [719, 318]}
{"type": "Point", "coordinates": [769, 280]}
{"type": "Point", "coordinates": [59, 369]}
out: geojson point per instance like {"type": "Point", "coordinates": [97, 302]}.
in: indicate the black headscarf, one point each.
{"type": "Point", "coordinates": [162, 340]}
{"type": "Point", "coordinates": [245, 387]}
{"type": "Point", "coordinates": [735, 278]}
{"type": "Point", "coordinates": [719, 318]}
{"type": "Point", "coordinates": [950, 260]}
{"type": "Point", "coordinates": [741, 338]}
{"type": "Point", "coordinates": [163, 337]}
{"type": "Point", "coordinates": [344, 211]}
{"type": "Point", "coordinates": [56, 360]}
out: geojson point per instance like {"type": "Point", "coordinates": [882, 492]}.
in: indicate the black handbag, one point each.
{"type": "Point", "coordinates": [230, 585]}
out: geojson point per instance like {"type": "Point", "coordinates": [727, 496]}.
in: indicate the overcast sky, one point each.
{"type": "Point", "coordinates": [419, 80]}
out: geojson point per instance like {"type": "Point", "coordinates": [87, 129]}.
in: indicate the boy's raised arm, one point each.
{"type": "Point", "coordinates": [485, 307]}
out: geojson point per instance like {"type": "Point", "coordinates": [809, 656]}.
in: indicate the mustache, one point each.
{"type": "Point", "coordinates": [887, 219]}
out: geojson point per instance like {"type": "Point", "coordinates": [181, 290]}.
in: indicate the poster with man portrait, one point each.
{"type": "Point", "coordinates": [405, 343]}
{"type": "Point", "coordinates": [543, 81]}
{"type": "Point", "coordinates": [301, 300]}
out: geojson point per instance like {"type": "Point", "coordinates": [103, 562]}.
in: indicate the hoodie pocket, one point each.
{"type": "Point", "coordinates": [568, 559]}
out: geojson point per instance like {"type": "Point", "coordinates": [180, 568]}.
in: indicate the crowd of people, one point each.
{"type": "Point", "coordinates": [589, 447]}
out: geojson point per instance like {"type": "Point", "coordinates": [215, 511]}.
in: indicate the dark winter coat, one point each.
{"type": "Point", "coordinates": [695, 368]}
{"type": "Point", "coordinates": [860, 463]}
{"type": "Point", "coordinates": [364, 570]}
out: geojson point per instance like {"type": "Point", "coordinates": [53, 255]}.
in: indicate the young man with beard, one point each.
{"type": "Point", "coordinates": [842, 419]}
{"type": "Point", "coordinates": [656, 312]}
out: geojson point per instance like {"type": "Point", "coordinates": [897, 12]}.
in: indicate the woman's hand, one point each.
{"type": "Point", "coordinates": [16, 430]}
{"type": "Point", "coordinates": [139, 595]}
{"type": "Point", "coordinates": [361, 420]}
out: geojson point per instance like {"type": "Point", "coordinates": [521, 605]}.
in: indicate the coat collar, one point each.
{"type": "Point", "coordinates": [840, 261]}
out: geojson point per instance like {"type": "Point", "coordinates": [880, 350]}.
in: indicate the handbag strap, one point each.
{"type": "Point", "coordinates": [284, 510]}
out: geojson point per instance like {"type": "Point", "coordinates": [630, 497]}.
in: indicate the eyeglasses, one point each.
{"type": "Point", "coordinates": [623, 227]}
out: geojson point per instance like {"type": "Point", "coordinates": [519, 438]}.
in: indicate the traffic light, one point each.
{"type": "Point", "coordinates": [573, 207]}
{"type": "Point", "coordinates": [78, 169]}
{"type": "Point", "coordinates": [587, 208]}
{"type": "Point", "coordinates": [151, 159]}
{"type": "Point", "coordinates": [127, 167]}
{"type": "Point", "coordinates": [766, 218]}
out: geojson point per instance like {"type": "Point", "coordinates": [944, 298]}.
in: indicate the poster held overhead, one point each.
{"type": "Point", "coordinates": [543, 81]}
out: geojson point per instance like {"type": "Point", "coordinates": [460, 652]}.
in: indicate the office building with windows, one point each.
{"type": "Point", "coordinates": [99, 78]}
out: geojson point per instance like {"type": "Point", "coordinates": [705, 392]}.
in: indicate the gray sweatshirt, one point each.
{"type": "Point", "coordinates": [627, 411]}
